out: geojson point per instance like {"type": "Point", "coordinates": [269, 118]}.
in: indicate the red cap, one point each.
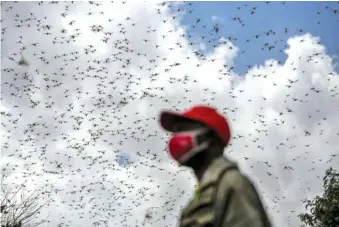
{"type": "Point", "coordinates": [204, 114]}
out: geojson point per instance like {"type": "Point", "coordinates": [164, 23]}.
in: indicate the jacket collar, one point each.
{"type": "Point", "coordinates": [213, 172]}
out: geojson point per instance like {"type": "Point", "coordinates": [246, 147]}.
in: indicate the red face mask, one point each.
{"type": "Point", "coordinates": [184, 145]}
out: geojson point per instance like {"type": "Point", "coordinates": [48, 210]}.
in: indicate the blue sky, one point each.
{"type": "Point", "coordinates": [317, 18]}
{"type": "Point", "coordinates": [123, 159]}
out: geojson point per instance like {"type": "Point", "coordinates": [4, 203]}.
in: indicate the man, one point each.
{"type": "Point", "coordinates": [224, 197]}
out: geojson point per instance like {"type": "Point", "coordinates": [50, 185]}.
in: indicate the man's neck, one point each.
{"type": "Point", "coordinates": [204, 163]}
{"type": "Point", "coordinates": [200, 172]}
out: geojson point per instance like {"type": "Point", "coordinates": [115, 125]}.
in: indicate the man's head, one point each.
{"type": "Point", "coordinates": [200, 134]}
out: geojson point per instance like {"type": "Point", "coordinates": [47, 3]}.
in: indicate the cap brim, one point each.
{"type": "Point", "coordinates": [169, 119]}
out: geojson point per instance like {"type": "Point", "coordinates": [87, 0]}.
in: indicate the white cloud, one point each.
{"type": "Point", "coordinates": [113, 96]}
{"type": "Point", "coordinates": [217, 19]}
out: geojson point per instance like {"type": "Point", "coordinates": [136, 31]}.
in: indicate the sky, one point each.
{"type": "Point", "coordinates": [79, 122]}
{"type": "Point", "coordinates": [316, 17]}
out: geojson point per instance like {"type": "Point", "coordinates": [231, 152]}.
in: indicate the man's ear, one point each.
{"type": "Point", "coordinates": [218, 143]}
{"type": "Point", "coordinates": [216, 140]}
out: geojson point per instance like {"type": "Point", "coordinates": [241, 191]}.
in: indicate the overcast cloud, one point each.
{"type": "Point", "coordinates": [87, 98]}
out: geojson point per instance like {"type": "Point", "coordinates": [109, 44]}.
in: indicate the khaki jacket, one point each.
{"type": "Point", "coordinates": [226, 198]}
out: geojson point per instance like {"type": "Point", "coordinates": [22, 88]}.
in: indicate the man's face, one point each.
{"type": "Point", "coordinates": [190, 125]}
{"type": "Point", "coordinates": [187, 125]}
{"type": "Point", "coordinates": [201, 158]}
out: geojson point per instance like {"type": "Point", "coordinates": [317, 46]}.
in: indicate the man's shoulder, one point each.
{"type": "Point", "coordinates": [227, 173]}
{"type": "Point", "coordinates": [235, 178]}
{"type": "Point", "coordinates": [216, 169]}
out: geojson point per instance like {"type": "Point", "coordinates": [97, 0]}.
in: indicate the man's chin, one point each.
{"type": "Point", "coordinates": [196, 161]}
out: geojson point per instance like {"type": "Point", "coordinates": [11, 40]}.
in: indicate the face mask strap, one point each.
{"type": "Point", "coordinates": [193, 152]}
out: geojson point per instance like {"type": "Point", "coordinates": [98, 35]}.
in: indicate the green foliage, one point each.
{"type": "Point", "coordinates": [324, 210]}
